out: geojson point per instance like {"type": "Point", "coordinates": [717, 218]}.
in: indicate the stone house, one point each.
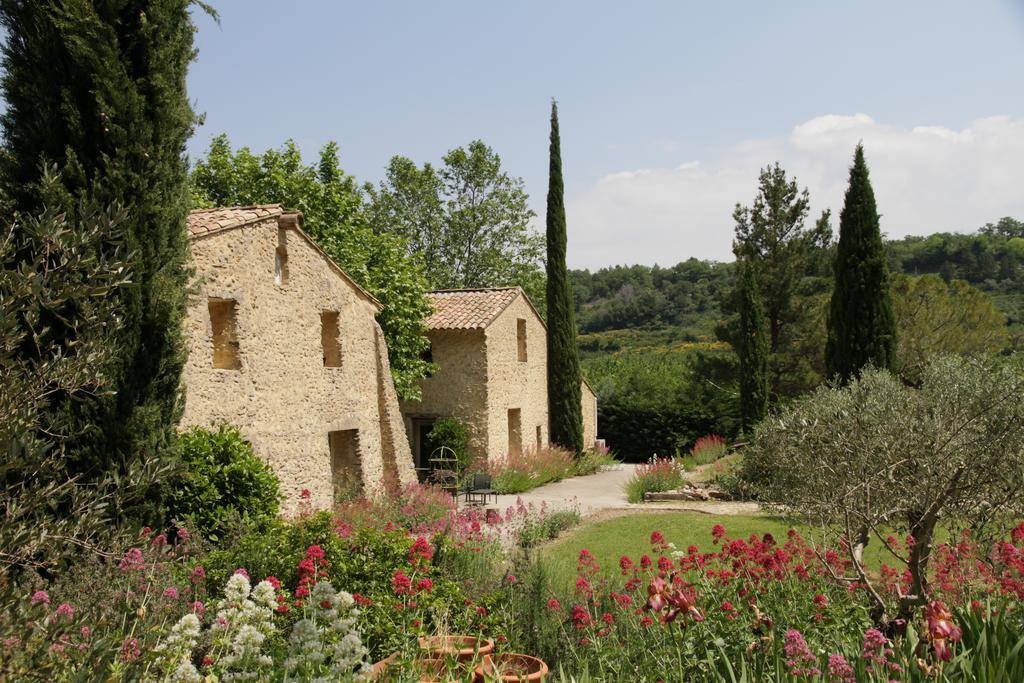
{"type": "Point", "coordinates": [490, 348]}
{"type": "Point", "coordinates": [285, 345]}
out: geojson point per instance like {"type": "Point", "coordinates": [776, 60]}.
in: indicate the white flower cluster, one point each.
{"type": "Point", "coordinates": [243, 622]}
{"type": "Point", "coordinates": [176, 650]}
{"type": "Point", "coordinates": [325, 645]}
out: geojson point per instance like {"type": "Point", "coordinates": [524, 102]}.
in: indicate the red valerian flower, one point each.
{"type": "Point", "coordinates": [554, 605]}
{"type": "Point", "coordinates": [421, 552]}
{"type": "Point", "coordinates": [580, 617]}
{"type": "Point", "coordinates": [657, 539]}
{"type": "Point", "coordinates": [401, 583]}
{"type": "Point", "coordinates": [40, 596]}
{"type": "Point", "coordinates": [425, 585]}
{"type": "Point", "coordinates": [717, 532]}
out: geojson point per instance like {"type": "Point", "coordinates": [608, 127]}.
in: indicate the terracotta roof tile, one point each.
{"type": "Point", "coordinates": [468, 309]}
{"type": "Point", "coordinates": [204, 221]}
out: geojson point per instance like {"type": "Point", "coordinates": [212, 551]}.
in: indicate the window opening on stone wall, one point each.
{"type": "Point", "coordinates": [346, 470]}
{"type": "Point", "coordinates": [521, 338]}
{"type": "Point", "coordinates": [540, 443]}
{"type": "Point", "coordinates": [281, 258]}
{"type": "Point", "coordinates": [330, 338]}
{"type": "Point", "coordinates": [224, 324]}
{"type": "Point", "coordinates": [515, 431]}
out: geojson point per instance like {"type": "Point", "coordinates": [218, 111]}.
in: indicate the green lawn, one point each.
{"type": "Point", "coordinates": [630, 535]}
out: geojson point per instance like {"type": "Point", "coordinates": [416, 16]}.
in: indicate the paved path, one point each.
{"type": "Point", "coordinates": [605, 491]}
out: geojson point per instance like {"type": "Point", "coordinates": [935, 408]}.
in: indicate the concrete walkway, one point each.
{"type": "Point", "coordinates": [605, 491]}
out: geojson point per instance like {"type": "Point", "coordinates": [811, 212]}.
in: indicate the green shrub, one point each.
{"type": "Point", "coordinates": [452, 433]}
{"type": "Point", "coordinates": [223, 480]}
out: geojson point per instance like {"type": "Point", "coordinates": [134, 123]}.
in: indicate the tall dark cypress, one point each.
{"type": "Point", "coordinates": [97, 89]}
{"type": "Point", "coordinates": [861, 325]}
{"type": "Point", "coordinates": [752, 349]}
{"type": "Point", "coordinates": [565, 410]}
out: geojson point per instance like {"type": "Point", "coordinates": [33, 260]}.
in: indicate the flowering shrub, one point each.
{"type": "Point", "coordinates": [101, 613]}
{"type": "Point", "coordinates": [242, 640]}
{"type": "Point", "coordinates": [534, 467]}
{"type": "Point", "coordinates": [706, 450]}
{"type": "Point", "coordinates": [660, 474]}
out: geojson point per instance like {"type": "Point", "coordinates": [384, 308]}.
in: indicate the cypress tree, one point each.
{"type": "Point", "coordinates": [565, 410]}
{"type": "Point", "coordinates": [97, 90]}
{"type": "Point", "coordinates": [861, 325]}
{"type": "Point", "coordinates": [752, 349]}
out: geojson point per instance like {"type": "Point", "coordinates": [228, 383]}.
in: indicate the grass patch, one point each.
{"type": "Point", "coordinates": [610, 539]}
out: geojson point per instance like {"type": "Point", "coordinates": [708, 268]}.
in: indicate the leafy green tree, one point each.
{"type": "Point", "coordinates": [467, 222]}
{"type": "Point", "coordinates": [861, 325]}
{"type": "Point", "coordinates": [335, 216]}
{"type": "Point", "coordinates": [752, 350]}
{"type": "Point", "coordinates": [98, 89]}
{"type": "Point", "coordinates": [786, 259]}
{"type": "Point", "coordinates": [565, 410]}
{"type": "Point", "coordinates": [937, 318]}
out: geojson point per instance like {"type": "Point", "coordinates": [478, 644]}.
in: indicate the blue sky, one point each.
{"type": "Point", "coordinates": [668, 109]}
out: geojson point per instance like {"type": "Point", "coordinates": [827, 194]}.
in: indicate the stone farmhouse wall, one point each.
{"type": "Point", "coordinates": [321, 428]}
{"type": "Point", "coordinates": [458, 388]}
{"type": "Point", "coordinates": [514, 384]}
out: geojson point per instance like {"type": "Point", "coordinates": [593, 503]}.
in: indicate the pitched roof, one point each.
{"type": "Point", "coordinates": [468, 309]}
{"type": "Point", "coordinates": [203, 222]}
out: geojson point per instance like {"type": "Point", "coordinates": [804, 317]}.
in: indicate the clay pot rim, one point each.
{"type": "Point", "coordinates": [444, 645]}
{"type": "Point", "coordinates": [539, 667]}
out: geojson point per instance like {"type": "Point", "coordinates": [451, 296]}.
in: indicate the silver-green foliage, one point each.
{"type": "Point", "coordinates": [48, 514]}
{"type": "Point", "coordinates": [878, 456]}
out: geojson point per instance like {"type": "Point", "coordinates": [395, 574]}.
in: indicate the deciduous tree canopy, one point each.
{"type": "Point", "coordinates": [466, 221]}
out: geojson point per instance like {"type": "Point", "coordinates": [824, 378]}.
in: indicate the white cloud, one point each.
{"type": "Point", "coordinates": [926, 178]}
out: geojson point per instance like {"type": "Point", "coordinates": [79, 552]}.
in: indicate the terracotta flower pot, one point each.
{"type": "Point", "coordinates": [379, 670]}
{"type": "Point", "coordinates": [511, 667]}
{"type": "Point", "coordinates": [463, 648]}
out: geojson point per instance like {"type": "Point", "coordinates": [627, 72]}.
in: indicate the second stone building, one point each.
{"type": "Point", "coordinates": [490, 349]}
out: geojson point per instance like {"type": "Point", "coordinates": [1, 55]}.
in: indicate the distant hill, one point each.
{"type": "Point", "coordinates": [626, 307]}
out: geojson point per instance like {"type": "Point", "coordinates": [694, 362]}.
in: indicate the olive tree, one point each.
{"type": "Point", "coordinates": [52, 263]}
{"type": "Point", "coordinates": [878, 457]}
